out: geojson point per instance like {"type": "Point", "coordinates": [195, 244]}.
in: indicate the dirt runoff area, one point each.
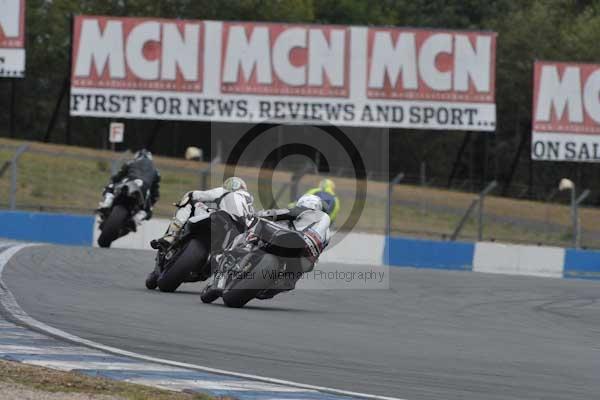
{"type": "Point", "coordinates": [25, 382]}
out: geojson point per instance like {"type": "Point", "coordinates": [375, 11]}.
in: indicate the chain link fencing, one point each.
{"type": "Point", "coordinates": [57, 179]}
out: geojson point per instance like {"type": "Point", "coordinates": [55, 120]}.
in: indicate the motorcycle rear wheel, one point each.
{"type": "Point", "coordinates": [112, 226]}
{"type": "Point", "coordinates": [240, 291]}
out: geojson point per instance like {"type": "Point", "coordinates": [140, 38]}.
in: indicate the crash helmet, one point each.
{"type": "Point", "coordinates": [327, 185]}
{"type": "Point", "coordinates": [143, 153]}
{"type": "Point", "coordinates": [234, 184]}
{"type": "Point", "coordinates": [310, 201]}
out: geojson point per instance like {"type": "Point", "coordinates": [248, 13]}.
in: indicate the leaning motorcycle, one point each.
{"type": "Point", "coordinates": [118, 221]}
{"type": "Point", "coordinates": [189, 258]}
{"type": "Point", "coordinates": [271, 263]}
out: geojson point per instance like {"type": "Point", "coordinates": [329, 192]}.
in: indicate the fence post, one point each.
{"type": "Point", "coordinates": [206, 171]}
{"type": "Point", "coordinates": [482, 195]}
{"type": "Point", "coordinates": [423, 181]}
{"type": "Point", "coordinates": [477, 201]}
{"type": "Point", "coordinates": [574, 216]}
{"type": "Point", "coordinates": [388, 210]}
{"type": "Point", "coordinates": [576, 222]}
{"type": "Point", "coordinates": [114, 166]}
{"type": "Point", "coordinates": [297, 177]}
{"type": "Point", "coordinates": [14, 173]}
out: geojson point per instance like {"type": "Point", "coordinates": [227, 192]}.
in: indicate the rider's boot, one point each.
{"type": "Point", "coordinates": [107, 202]}
{"type": "Point", "coordinates": [168, 238]}
{"type": "Point", "coordinates": [139, 217]}
{"type": "Point", "coordinates": [137, 220]}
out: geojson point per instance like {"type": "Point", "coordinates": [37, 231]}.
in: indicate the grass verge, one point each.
{"type": "Point", "coordinates": [47, 380]}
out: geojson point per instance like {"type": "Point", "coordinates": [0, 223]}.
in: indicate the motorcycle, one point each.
{"type": "Point", "coordinates": [188, 259]}
{"type": "Point", "coordinates": [271, 263]}
{"type": "Point", "coordinates": [118, 220]}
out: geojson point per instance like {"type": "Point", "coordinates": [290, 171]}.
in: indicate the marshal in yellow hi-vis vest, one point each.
{"type": "Point", "coordinates": [326, 192]}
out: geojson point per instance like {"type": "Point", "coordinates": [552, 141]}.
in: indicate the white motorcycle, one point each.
{"type": "Point", "coordinates": [189, 258]}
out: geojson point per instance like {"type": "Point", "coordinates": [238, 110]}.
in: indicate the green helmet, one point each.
{"type": "Point", "coordinates": [327, 185]}
{"type": "Point", "coordinates": [234, 183]}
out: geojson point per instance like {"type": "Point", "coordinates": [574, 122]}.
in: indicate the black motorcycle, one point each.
{"type": "Point", "coordinates": [270, 264]}
{"type": "Point", "coordinates": [117, 221]}
{"type": "Point", "coordinates": [188, 259]}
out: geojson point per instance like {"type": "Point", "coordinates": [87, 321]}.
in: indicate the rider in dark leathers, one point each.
{"type": "Point", "coordinates": [140, 167]}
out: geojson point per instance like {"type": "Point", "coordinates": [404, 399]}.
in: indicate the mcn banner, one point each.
{"type": "Point", "coordinates": [566, 112]}
{"type": "Point", "coordinates": [12, 38]}
{"type": "Point", "coordinates": [252, 72]}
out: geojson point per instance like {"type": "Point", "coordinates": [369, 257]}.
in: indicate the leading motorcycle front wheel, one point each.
{"type": "Point", "coordinates": [113, 224]}
{"type": "Point", "coordinates": [152, 280]}
{"type": "Point", "coordinates": [209, 294]}
{"type": "Point", "coordinates": [192, 257]}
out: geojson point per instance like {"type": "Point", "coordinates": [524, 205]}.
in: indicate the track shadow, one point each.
{"type": "Point", "coordinates": [178, 292]}
{"type": "Point", "coordinates": [254, 306]}
{"type": "Point", "coordinates": [266, 308]}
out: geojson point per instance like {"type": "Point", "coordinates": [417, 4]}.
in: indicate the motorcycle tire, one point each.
{"type": "Point", "coordinates": [209, 295]}
{"type": "Point", "coordinates": [152, 281]}
{"type": "Point", "coordinates": [241, 290]}
{"type": "Point", "coordinates": [113, 224]}
{"type": "Point", "coordinates": [190, 258]}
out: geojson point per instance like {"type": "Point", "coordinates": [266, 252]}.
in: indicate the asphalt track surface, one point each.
{"type": "Point", "coordinates": [433, 335]}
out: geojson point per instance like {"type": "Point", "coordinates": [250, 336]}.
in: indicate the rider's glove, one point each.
{"type": "Point", "coordinates": [251, 238]}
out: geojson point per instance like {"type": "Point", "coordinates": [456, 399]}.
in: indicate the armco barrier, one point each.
{"type": "Point", "coordinates": [46, 227]}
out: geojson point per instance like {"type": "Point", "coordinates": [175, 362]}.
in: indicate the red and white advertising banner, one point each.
{"type": "Point", "coordinates": [12, 38]}
{"type": "Point", "coordinates": [262, 72]}
{"type": "Point", "coordinates": [566, 112]}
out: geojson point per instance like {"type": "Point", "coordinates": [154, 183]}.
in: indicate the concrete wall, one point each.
{"type": "Point", "coordinates": [353, 248]}
{"type": "Point", "coordinates": [500, 258]}
{"type": "Point", "coordinates": [584, 264]}
{"type": "Point", "coordinates": [149, 230]}
{"type": "Point", "coordinates": [404, 252]}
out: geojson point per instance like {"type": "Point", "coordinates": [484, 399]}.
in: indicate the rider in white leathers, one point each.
{"type": "Point", "coordinates": [232, 197]}
{"type": "Point", "coordinates": [308, 218]}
